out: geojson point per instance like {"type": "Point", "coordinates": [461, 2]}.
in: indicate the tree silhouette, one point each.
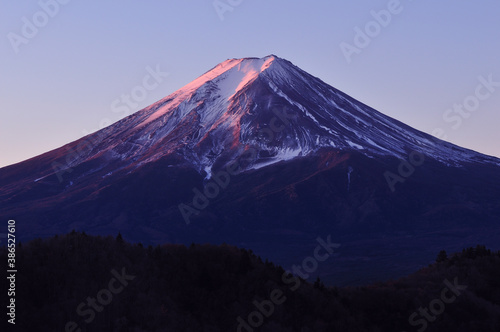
{"type": "Point", "coordinates": [119, 238]}
{"type": "Point", "coordinates": [442, 256]}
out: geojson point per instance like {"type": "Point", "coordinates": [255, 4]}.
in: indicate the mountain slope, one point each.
{"type": "Point", "coordinates": [220, 114]}
{"type": "Point", "coordinates": [258, 153]}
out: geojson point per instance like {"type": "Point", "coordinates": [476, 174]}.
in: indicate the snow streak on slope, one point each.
{"type": "Point", "coordinates": [218, 116]}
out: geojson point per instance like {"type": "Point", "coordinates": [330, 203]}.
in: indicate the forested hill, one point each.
{"type": "Point", "coordinates": [78, 282]}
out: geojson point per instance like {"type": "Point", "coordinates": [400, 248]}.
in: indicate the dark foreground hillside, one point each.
{"type": "Point", "coordinates": [78, 282]}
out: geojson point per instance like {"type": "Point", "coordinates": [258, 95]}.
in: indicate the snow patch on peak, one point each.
{"type": "Point", "coordinates": [227, 78]}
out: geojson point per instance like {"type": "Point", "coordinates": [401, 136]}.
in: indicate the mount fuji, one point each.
{"type": "Point", "coordinates": [260, 154]}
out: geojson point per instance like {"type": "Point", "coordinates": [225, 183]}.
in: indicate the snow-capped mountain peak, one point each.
{"type": "Point", "coordinates": [308, 157]}
{"type": "Point", "coordinates": [266, 105]}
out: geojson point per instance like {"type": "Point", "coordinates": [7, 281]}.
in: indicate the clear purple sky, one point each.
{"type": "Point", "coordinates": [64, 78]}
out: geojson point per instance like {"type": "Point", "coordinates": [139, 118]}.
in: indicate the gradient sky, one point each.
{"type": "Point", "coordinates": [64, 78]}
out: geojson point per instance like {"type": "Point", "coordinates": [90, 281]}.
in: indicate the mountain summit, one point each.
{"type": "Point", "coordinates": [309, 160]}
{"type": "Point", "coordinates": [266, 103]}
